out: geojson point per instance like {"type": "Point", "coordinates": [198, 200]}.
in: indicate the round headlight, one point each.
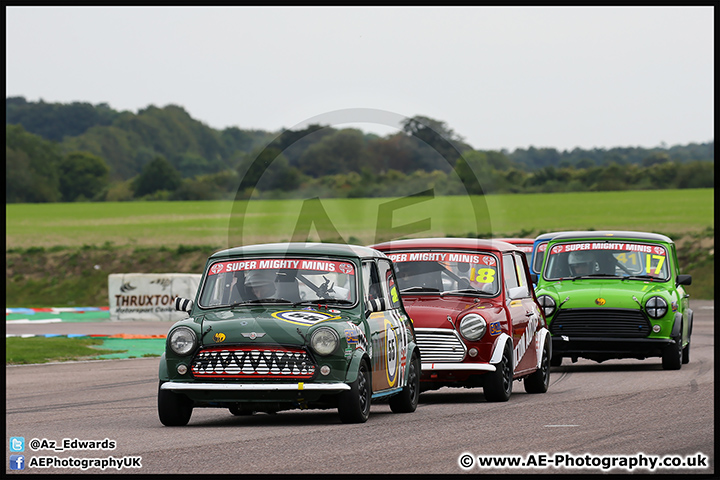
{"type": "Point", "coordinates": [656, 307]}
{"type": "Point", "coordinates": [324, 341]}
{"type": "Point", "coordinates": [182, 340]}
{"type": "Point", "coordinates": [548, 304]}
{"type": "Point", "coordinates": [472, 327]}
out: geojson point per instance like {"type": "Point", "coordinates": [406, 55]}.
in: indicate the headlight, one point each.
{"type": "Point", "coordinates": [472, 327]}
{"type": "Point", "coordinates": [182, 340]}
{"type": "Point", "coordinates": [656, 307]}
{"type": "Point", "coordinates": [324, 341]}
{"type": "Point", "coordinates": [548, 304]}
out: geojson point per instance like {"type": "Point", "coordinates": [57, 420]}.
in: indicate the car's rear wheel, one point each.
{"type": "Point", "coordinates": [498, 384]}
{"type": "Point", "coordinates": [672, 356]}
{"type": "Point", "coordinates": [686, 354]}
{"type": "Point", "coordinates": [539, 381]}
{"type": "Point", "coordinates": [407, 400]}
{"type": "Point", "coordinates": [174, 409]}
{"type": "Point", "coordinates": [354, 404]}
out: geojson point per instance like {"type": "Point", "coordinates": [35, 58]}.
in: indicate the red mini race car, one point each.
{"type": "Point", "coordinates": [476, 317]}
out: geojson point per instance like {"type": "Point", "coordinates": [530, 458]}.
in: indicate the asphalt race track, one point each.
{"type": "Point", "coordinates": [624, 411]}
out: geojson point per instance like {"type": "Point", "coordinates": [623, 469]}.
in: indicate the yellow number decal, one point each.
{"type": "Point", "coordinates": [485, 275]}
{"type": "Point", "coordinates": [648, 266]}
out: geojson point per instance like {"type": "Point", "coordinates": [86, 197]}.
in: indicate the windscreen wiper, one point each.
{"type": "Point", "coordinates": [640, 277]}
{"type": "Point", "coordinates": [419, 289]}
{"type": "Point", "coordinates": [595, 275]}
{"type": "Point", "coordinates": [462, 290]}
{"type": "Point", "coordinates": [324, 301]}
{"type": "Point", "coordinates": [260, 300]}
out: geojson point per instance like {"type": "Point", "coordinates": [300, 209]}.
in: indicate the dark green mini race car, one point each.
{"type": "Point", "coordinates": [294, 325]}
{"type": "Point", "coordinates": [615, 294]}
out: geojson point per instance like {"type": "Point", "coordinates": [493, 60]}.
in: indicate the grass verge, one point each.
{"type": "Point", "coordinates": [24, 351]}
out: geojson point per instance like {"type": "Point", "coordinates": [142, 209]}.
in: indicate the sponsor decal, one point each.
{"type": "Point", "coordinates": [495, 328]}
{"type": "Point", "coordinates": [600, 301]}
{"type": "Point", "coordinates": [617, 246]}
{"type": "Point", "coordinates": [278, 264]}
{"type": "Point", "coordinates": [303, 317]}
{"type": "Point", "coordinates": [351, 336]}
{"type": "Point", "coordinates": [527, 338]}
{"type": "Point", "coordinates": [219, 337]}
{"type": "Point", "coordinates": [443, 257]}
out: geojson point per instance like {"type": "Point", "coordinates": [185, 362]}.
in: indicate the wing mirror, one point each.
{"type": "Point", "coordinates": [183, 304]}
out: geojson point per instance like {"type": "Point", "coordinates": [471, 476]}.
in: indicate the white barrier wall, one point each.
{"type": "Point", "coordinates": [149, 296]}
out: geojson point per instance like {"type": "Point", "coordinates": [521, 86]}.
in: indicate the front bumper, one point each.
{"type": "Point", "coordinates": [457, 367]}
{"type": "Point", "coordinates": [606, 348]}
{"type": "Point", "coordinates": [287, 387]}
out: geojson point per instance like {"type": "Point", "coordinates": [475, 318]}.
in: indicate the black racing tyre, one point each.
{"type": "Point", "coordinates": [354, 404]}
{"type": "Point", "coordinates": [539, 381]}
{"type": "Point", "coordinates": [407, 400]}
{"type": "Point", "coordinates": [174, 409]}
{"type": "Point", "coordinates": [672, 356]}
{"type": "Point", "coordinates": [686, 354]}
{"type": "Point", "coordinates": [556, 360]}
{"type": "Point", "coordinates": [498, 384]}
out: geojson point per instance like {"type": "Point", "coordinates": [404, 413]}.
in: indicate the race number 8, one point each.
{"type": "Point", "coordinates": [484, 275]}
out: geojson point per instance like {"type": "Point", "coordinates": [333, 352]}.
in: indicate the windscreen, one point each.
{"type": "Point", "coordinates": [635, 260]}
{"type": "Point", "coordinates": [446, 272]}
{"type": "Point", "coordinates": [279, 280]}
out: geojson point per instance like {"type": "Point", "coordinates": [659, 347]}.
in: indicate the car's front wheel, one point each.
{"type": "Point", "coordinates": [539, 381]}
{"type": "Point", "coordinates": [174, 409]}
{"type": "Point", "coordinates": [498, 384]}
{"type": "Point", "coordinates": [354, 404]}
{"type": "Point", "coordinates": [407, 400]}
{"type": "Point", "coordinates": [672, 356]}
{"type": "Point", "coordinates": [686, 354]}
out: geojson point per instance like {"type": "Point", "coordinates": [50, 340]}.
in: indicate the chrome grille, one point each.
{"type": "Point", "coordinates": [255, 362]}
{"type": "Point", "coordinates": [439, 345]}
{"type": "Point", "coordinates": [600, 322]}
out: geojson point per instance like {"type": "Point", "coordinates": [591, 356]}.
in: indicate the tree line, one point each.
{"type": "Point", "coordinates": [82, 152]}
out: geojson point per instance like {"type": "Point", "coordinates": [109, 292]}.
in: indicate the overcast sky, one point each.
{"type": "Point", "coordinates": [500, 78]}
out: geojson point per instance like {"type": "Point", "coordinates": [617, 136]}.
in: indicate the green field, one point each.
{"type": "Point", "coordinates": [222, 223]}
{"type": "Point", "coordinates": [61, 254]}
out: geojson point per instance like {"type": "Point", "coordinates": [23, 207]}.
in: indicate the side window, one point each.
{"type": "Point", "coordinates": [509, 272]}
{"type": "Point", "coordinates": [372, 288]}
{"type": "Point", "coordinates": [523, 281]}
{"type": "Point", "coordinates": [387, 278]}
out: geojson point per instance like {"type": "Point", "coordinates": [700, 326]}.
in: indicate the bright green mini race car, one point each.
{"type": "Point", "coordinates": [615, 294]}
{"type": "Point", "coordinates": [297, 325]}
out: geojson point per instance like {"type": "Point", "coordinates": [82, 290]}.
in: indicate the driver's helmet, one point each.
{"type": "Point", "coordinates": [581, 263]}
{"type": "Point", "coordinates": [259, 278]}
